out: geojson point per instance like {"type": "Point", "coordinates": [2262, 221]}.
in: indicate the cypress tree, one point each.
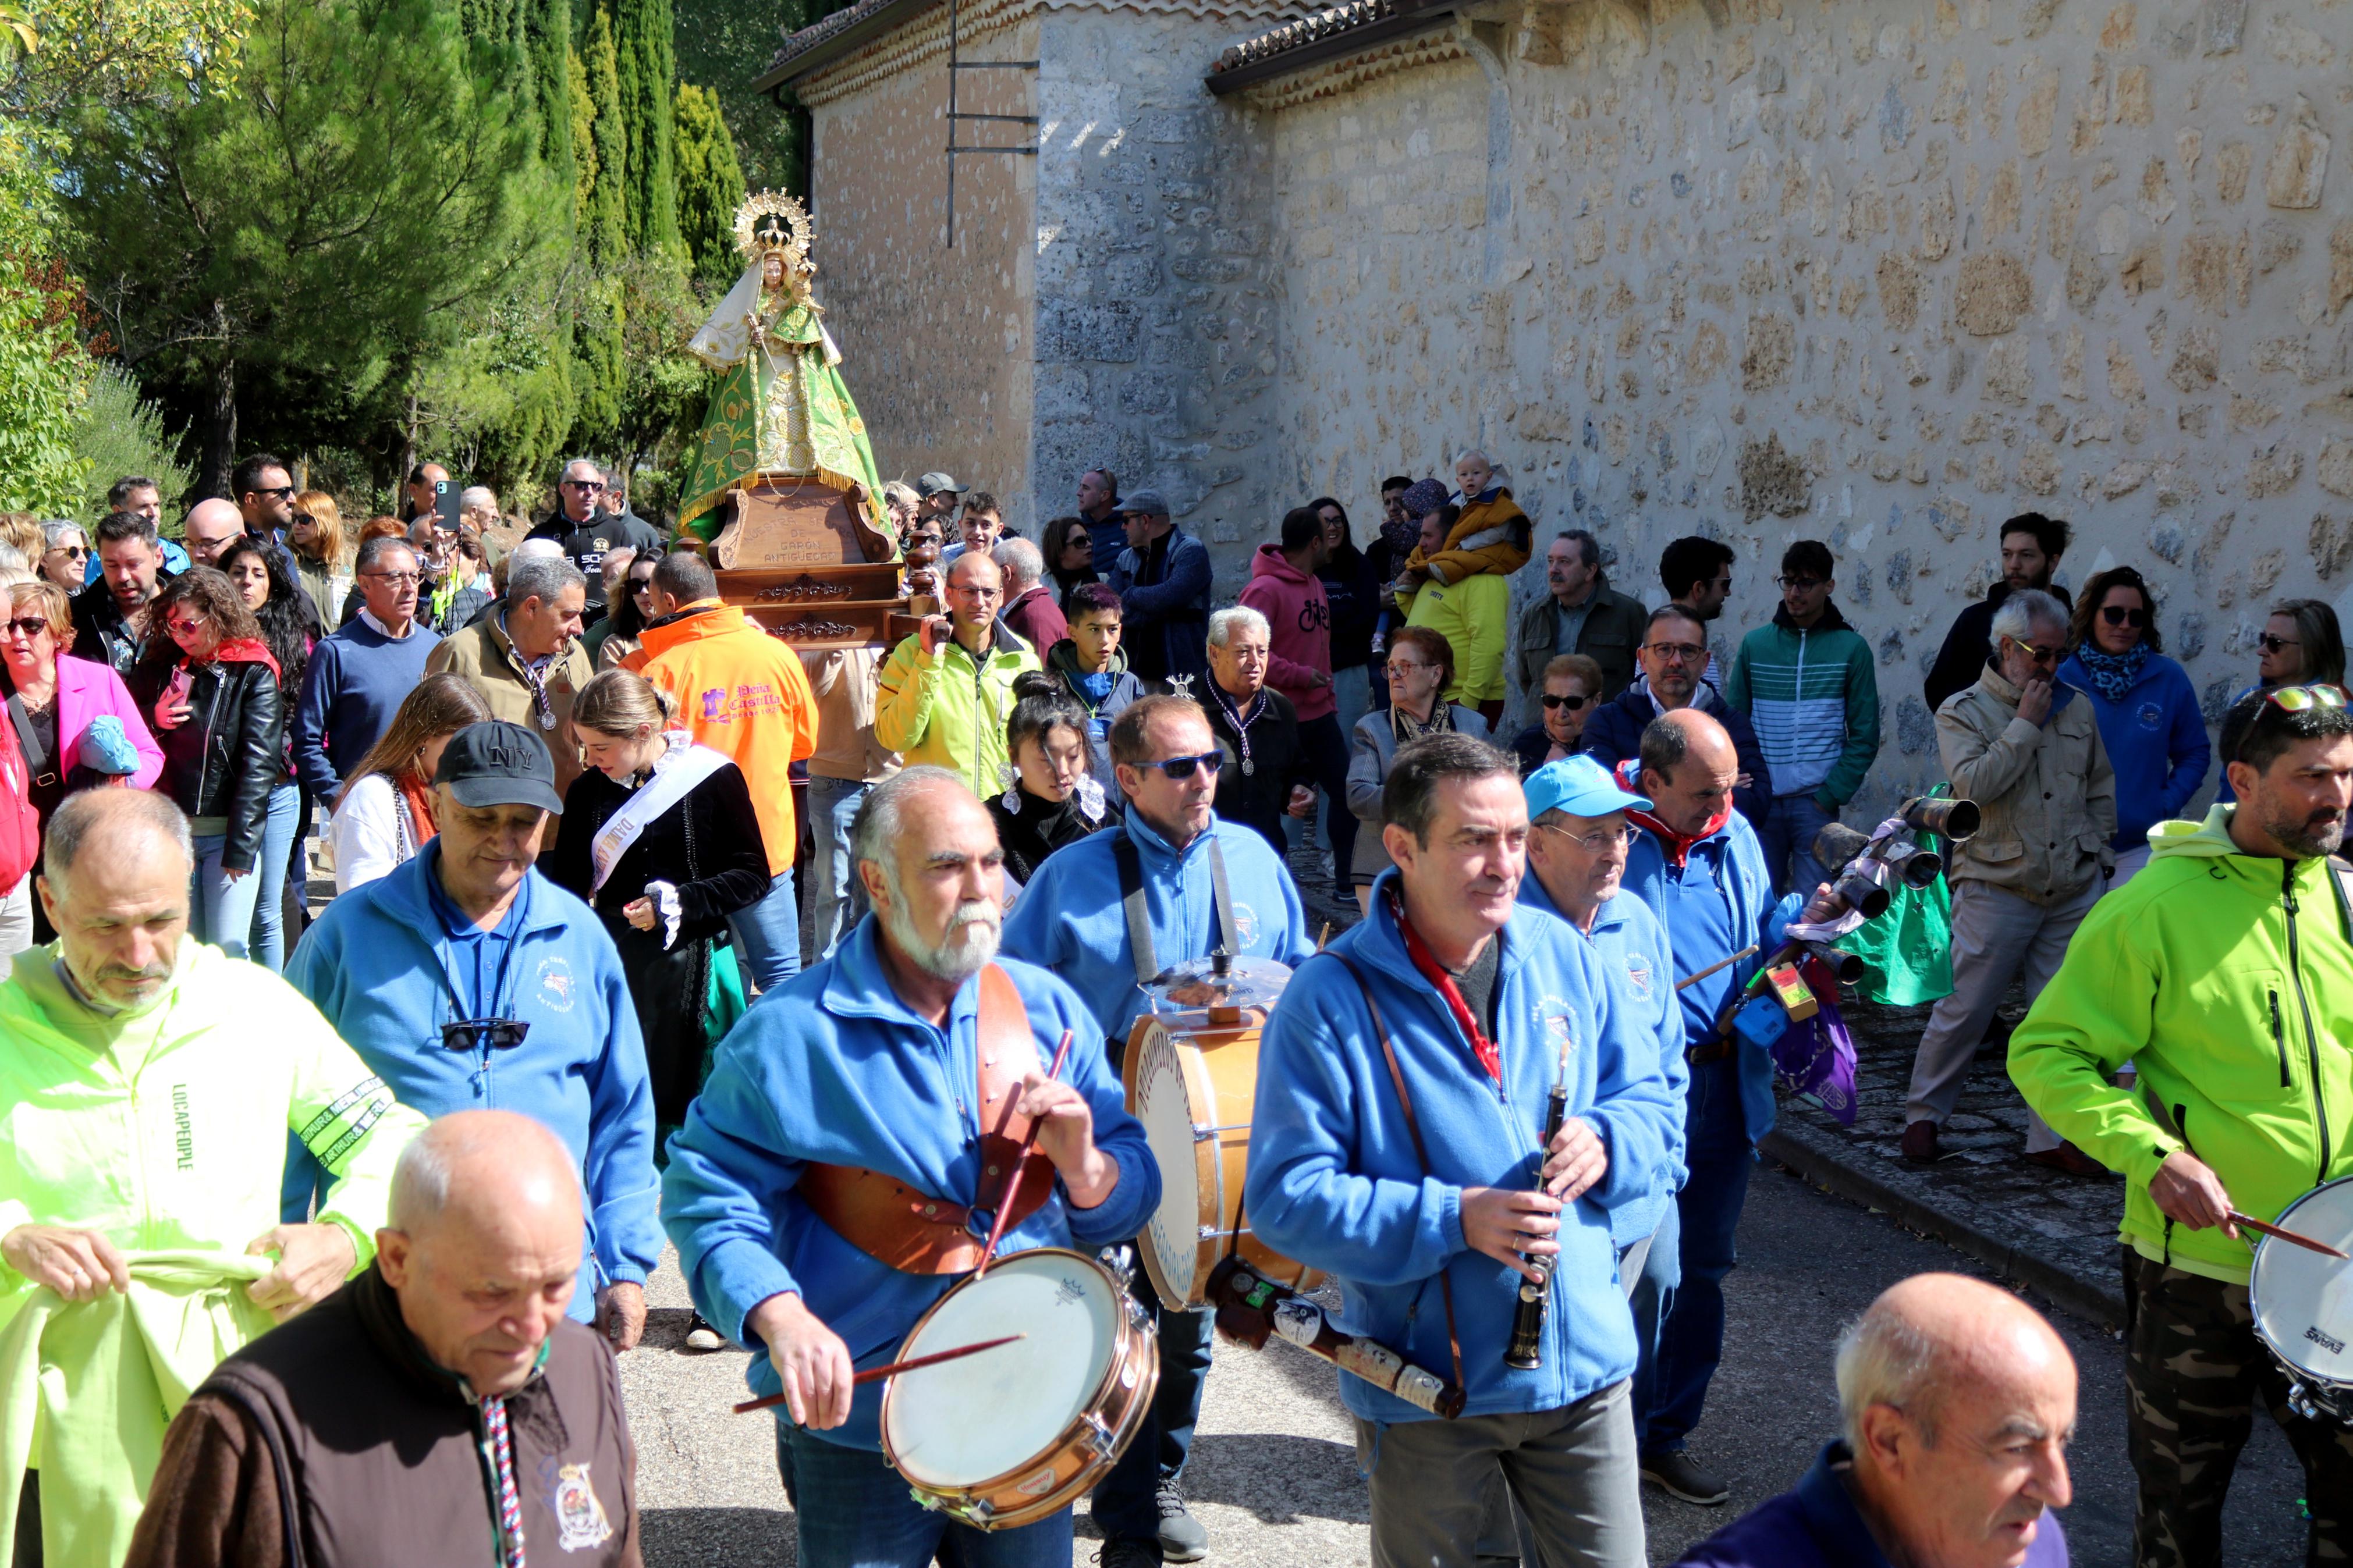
{"type": "Point", "coordinates": [709, 185]}
{"type": "Point", "coordinates": [547, 38]}
{"type": "Point", "coordinates": [605, 230]}
{"type": "Point", "coordinates": [649, 74]}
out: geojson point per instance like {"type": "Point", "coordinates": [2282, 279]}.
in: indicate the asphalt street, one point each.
{"type": "Point", "coordinates": [1274, 1472]}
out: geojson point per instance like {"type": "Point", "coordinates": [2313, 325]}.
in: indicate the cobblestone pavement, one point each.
{"type": "Point", "coordinates": [1274, 1472]}
{"type": "Point", "coordinates": [2054, 1233]}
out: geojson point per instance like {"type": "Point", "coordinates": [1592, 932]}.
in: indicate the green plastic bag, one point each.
{"type": "Point", "coordinates": [1907, 951]}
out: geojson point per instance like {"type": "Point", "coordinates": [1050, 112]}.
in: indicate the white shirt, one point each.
{"type": "Point", "coordinates": [370, 833]}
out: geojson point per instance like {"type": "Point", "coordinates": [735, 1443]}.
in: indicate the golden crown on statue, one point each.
{"type": "Point", "coordinates": [771, 223]}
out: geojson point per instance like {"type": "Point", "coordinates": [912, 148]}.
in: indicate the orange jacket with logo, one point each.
{"type": "Point", "coordinates": [744, 694]}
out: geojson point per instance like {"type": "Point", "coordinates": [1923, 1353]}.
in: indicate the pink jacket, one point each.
{"type": "Point", "coordinates": [1300, 647]}
{"type": "Point", "coordinates": [87, 689]}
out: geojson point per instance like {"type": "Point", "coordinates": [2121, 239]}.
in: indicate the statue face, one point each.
{"type": "Point", "coordinates": [772, 270]}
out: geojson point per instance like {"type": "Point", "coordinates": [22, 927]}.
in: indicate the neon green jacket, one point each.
{"type": "Point", "coordinates": [944, 710]}
{"type": "Point", "coordinates": [1474, 616]}
{"type": "Point", "coordinates": [166, 1129]}
{"type": "Point", "coordinates": [2234, 1004]}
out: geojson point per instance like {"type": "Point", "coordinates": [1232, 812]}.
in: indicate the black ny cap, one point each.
{"type": "Point", "coordinates": [498, 764]}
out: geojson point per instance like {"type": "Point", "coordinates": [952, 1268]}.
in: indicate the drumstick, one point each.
{"type": "Point", "coordinates": [1719, 963]}
{"type": "Point", "coordinates": [874, 1373]}
{"type": "Point", "coordinates": [1020, 1156]}
{"type": "Point", "coordinates": [2296, 1238]}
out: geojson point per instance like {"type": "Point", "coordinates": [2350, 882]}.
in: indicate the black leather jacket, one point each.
{"type": "Point", "coordinates": [229, 755]}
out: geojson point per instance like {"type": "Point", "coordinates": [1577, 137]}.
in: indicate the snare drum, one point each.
{"type": "Point", "coordinates": [1012, 1435]}
{"type": "Point", "coordinates": [1191, 1081]}
{"type": "Point", "coordinates": [2303, 1303]}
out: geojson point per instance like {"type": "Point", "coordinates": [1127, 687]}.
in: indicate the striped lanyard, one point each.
{"type": "Point", "coordinates": [494, 1424]}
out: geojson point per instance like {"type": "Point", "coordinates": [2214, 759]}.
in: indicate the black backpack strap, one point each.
{"type": "Point", "coordinates": [28, 743]}
{"type": "Point", "coordinates": [1139, 919]}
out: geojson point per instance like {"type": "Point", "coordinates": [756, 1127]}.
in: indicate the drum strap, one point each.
{"type": "Point", "coordinates": [914, 1232]}
{"type": "Point", "coordinates": [1420, 1150]}
{"type": "Point", "coordinates": [1130, 865]}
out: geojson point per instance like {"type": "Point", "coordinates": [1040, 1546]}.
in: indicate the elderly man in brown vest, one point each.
{"type": "Point", "coordinates": [440, 1408]}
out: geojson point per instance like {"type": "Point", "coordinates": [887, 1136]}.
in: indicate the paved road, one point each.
{"type": "Point", "coordinates": [1274, 1474]}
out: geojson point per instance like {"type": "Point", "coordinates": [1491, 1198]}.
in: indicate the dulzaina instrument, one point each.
{"type": "Point", "coordinates": [1252, 1308]}
{"type": "Point", "coordinates": [1526, 1350]}
{"type": "Point", "coordinates": [1191, 1075]}
{"type": "Point", "coordinates": [2303, 1303]}
{"type": "Point", "coordinates": [1004, 1440]}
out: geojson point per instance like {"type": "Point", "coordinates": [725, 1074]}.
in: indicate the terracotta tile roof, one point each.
{"type": "Point", "coordinates": [1314, 28]}
{"type": "Point", "coordinates": [824, 27]}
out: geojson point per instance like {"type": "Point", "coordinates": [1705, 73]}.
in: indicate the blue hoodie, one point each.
{"type": "Point", "coordinates": [1719, 902]}
{"type": "Point", "coordinates": [2155, 741]}
{"type": "Point", "coordinates": [836, 1069]}
{"type": "Point", "coordinates": [1070, 919]}
{"type": "Point", "coordinates": [1635, 954]}
{"type": "Point", "coordinates": [392, 959]}
{"type": "Point", "coordinates": [1335, 1181]}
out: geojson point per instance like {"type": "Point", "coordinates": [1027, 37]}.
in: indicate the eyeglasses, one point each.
{"type": "Point", "coordinates": [188, 627]}
{"type": "Point", "coordinates": [1677, 652]}
{"type": "Point", "coordinates": [2041, 656]}
{"type": "Point", "coordinates": [641, 585]}
{"type": "Point", "coordinates": [1403, 667]}
{"type": "Point", "coordinates": [2117, 615]}
{"type": "Point", "coordinates": [1554, 699]}
{"type": "Point", "coordinates": [276, 492]}
{"type": "Point", "coordinates": [397, 579]}
{"type": "Point", "coordinates": [2299, 699]}
{"type": "Point", "coordinates": [1596, 842]}
{"type": "Point", "coordinates": [27, 625]}
{"type": "Point", "coordinates": [472, 1033]}
{"type": "Point", "coordinates": [584, 484]}
{"type": "Point", "coordinates": [1182, 768]}
{"type": "Point", "coordinates": [2273, 645]}
{"type": "Point", "coordinates": [1799, 584]}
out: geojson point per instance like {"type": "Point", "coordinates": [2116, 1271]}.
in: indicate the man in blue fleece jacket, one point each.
{"type": "Point", "coordinates": [1070, 919]}
{"type": "Point", "coordinates": [468, 982]}
{"type": "Point", "coordinates": [357, 679]}
{"type": "Point", "coordinates": [1478, 1005]}
{"type": "Point", "coordinates": [870, 1063]}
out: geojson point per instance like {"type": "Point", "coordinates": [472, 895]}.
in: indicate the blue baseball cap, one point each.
{"type": "Point", "coordinates": [1579, 786]}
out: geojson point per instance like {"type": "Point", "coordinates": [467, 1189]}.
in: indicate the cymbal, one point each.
{"type": "Point", "coordinates": [1220, 981]}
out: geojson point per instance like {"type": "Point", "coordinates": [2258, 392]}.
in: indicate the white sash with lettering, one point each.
{"type": "Point", "coordinates": [676, 772]}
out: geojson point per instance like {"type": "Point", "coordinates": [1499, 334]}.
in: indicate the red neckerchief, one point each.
{"type": "Point", "coordinates": [1435, 972]}
{"type": "Point", "coordinates": [244, 650]}
{"type": "Point", "coordinates": [1677, 845]}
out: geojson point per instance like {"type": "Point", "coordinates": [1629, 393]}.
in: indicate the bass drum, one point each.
{"type": "Point", "coordinates": [2303, 1303]}
{"type": "Point", "coordinates": [1012, 1435]}
{"type": "Point", "coordinates": [1191, 1083]}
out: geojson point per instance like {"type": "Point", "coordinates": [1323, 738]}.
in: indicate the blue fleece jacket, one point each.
{"type": "Point", "coordinates": [1070, 919]}
{"type": "Point", "coordinates": [391, 961]}
{"type": "Point", "coordinates": [356, 683]}
{"type": "Point", "coordinates": [1636, 957]}
{"type": "Point", "coordinates": [2155, 741]}
{"type": "Point", "coordinates": [836, 1069]}
{"type": "Point", "coordinates": [1335, 1181]}
{"type": "Point", "coordinates": [1717, 903]}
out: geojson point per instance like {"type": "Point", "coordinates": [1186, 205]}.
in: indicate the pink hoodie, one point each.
{"type": "Point", "coordinates": [1300, 647]}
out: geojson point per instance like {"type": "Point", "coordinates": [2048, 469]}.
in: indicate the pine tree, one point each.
{"type": "Point", "coordinates": [606, 231]}
{"type": "Point", "coordinates": [648, 76]}
{"type": "Point", "coordinates": [709, 185]}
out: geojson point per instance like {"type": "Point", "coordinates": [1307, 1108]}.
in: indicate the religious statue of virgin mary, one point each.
{"type": "Point", "coordinates": [781, 408]}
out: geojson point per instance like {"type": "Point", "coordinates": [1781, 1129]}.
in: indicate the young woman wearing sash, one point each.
{"type": "Point", "coordinates": [660, 841]}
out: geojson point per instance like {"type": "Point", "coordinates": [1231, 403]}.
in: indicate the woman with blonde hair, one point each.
{"type": "Point", "coordinates": [659, 839]}
{"type": "Point", "coordinates": [315, 540]}
{"type": "Point", "coordinates": [384, 813]}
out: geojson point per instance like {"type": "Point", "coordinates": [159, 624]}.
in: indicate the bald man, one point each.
{"type": "Point", "coordinates": [1959, 1403]}
{"type": "Point", "coordinates": [441, 1408]}
{"type": "Point", "coordinates": [212, 526]}
{"type": "Point", "coordinates": [1696, 863]}
{"type": "Point", "coordinates": [948, 690]}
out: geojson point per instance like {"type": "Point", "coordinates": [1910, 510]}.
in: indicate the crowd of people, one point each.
{"type": "Point", "coordinates": [644, 922]}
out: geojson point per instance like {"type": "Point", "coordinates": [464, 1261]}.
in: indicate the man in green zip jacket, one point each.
{"type": "Point", "coordinates": [2224, 973]}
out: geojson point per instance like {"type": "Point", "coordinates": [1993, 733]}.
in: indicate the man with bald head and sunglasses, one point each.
{"type": "Point", "coordinates": [2026, 747]}
{"type": "Point", "coordinates": [1200, 883]}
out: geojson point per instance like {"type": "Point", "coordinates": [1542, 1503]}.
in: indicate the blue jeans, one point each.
{"type": "Point", "coordinates": [1787, 833]}
{"type": "Point", "coordinates": [768, 935]}
{"type": "Point", "coordinates": [267, 938]}
{"type": "Point", "coordinates": [220, 911]}
{"type": "Point", "coordinates": [836, 900]}
{"type": "Point", "coordinates": [854, 1511]}
{"type": "Point", "coordinates": [1327, 746]}
{"type": "Point", "coordinates": [1125, 1501]}
{"type": "Point", "coordinates": [1652, 1299]}
{"type": "Point", "coordinates": [1691, 1334]}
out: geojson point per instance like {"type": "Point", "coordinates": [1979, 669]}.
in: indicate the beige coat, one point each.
{"type": "Point", "coordinates": [2047, 791]}
{"type": "Point", "coordinates": [487, 661]}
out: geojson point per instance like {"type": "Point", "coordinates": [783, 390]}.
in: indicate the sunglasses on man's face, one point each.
{"type": "Point", "coordinates": [76, 550]}
{"type": "Point", "coordinates": [584, 484]}
{"type": "Point", "coordinates": [276, 492]}
{"type": "Point", "coordinates": [1574, 702]}
{"type": "Point", "coordinates": [2041, 656]}
{"type": "Point", "coordinates": [1181, 768]}
{"type": "Point", "coordinates": [2122, 616]}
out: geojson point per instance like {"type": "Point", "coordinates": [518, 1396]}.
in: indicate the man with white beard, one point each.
{"type": "Point", "coordinates": [829, 1186]}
